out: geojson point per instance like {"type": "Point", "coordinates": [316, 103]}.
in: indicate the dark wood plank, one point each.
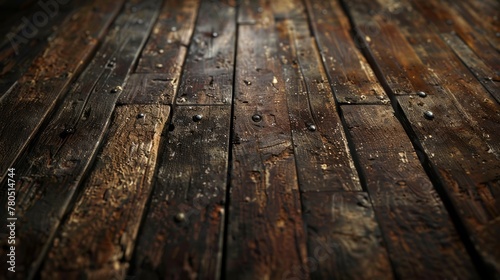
{"type": "Point", "coordinates": [453, 132]}
{"type": "Point", "coordinates": [50, 172]}
{"type": "Point", "coordinates": [324, 162]}
{"type": "Point", "coordinates": [485, 74]}
{"type": "Point", "coordinates": [166, 49]}
{"type": "Point", "coordinates": [149, 88]}
{"type": "Point", "coordinates": [97, 239]}
{"type": "Point", "coordinates": [159, 69]}
{"type": "Point", "coordinates": [255, 11]}
{"type": "Point", "coordinates": [482, 16]}
{"type": "Point", "coordinates": [181, 237]}
{"type": "Point", "coordinates": [34, 28]}
{"type": "Point", "coordinates": [413, 220]}
{"type": "Point", "coordinates": [446, 19]}
{"type": "Point", "coordinates": [208, 71]}
{"type": "Point", "coordinates": [41, 87]}
{"type": "Point", "coordinates": [344, 239]}
{"type": "Point", "coordinates": [265, 233]}
{"type": "Point", "coordinates": [266, 12]}
{"type": "Point", "coordinates": [349, 73]}
{"type": "Point", "coordinates": [449, 73]}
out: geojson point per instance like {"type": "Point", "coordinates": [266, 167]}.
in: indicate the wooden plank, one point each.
{"type": "Point", "coordinates": [350, 75]}
{"type": "Point", "coordinates": [266, 12]}
{"type": "Point", "coordinates": [483, 17]}
{"type": "Point", "coordinates": [447, 20]}
{"type": "Point", "coordinates": [166, 47]}
{"type": "Point", "coordinates": [465, 92]}
{"type": "Point", "coordinates": [413, 220]}
{"type": "Point", "coordinates": [324, 162]}
{"type": "Point", "coordinates": [149, 88]}
{"type": "Point", "coordinates": [50, 172]}
{"type": "Point", "coordinates": [265, 233]}
{"type": "Point", "coordinates": [432, 68]}
{"type": "Point", "coordinates": [485, 74]}
{"type": "Point", "coordinates": [41, 87]}
{"type": "Point", "coordinates": [460, 156]}
{"type": "Point", "coordinates": [159, 69]}
{"type": "Point", "coordinates": [98, 237]}
{"type": "Point", "coordinates": [344, 239]}
{"type": "Point", "coordinates": [255, 11]}
{"type": "Point", "coordinates": [181, 236]}
{"type": "Point", "coordinates": [208, 71]}
{"type": "Point", "coordinates": [34, 28]}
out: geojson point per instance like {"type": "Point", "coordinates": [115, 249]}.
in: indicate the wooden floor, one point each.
{"type": "Point", "coordinates": [290, 139]}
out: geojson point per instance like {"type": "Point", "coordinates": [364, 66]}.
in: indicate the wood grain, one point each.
{"type": "Point", "coordinates": [33, 29]}
{"type": "Point", "coordinates": [459, 151]}
{"type": "Point", "coordinates": [344, 239]}
{"type": "Point", "coordinates": [411, 216]}
{"type": "Point", "coordinates": [38, 91]}
{"type": "Point", "coordinates": [50, 172]}
{"type": "Point", "coordinates": [181, 237]}
{"type": "Point", "coordinates": [324, 162]}
{"type": "Point", "coordinates": [207, 76]}
{"type": "Point", "coordinates": [106, 217]}
{"type": "Point", "coordinates": [265, 233]}
{"type": "Point", "coordinates": [350, 75]}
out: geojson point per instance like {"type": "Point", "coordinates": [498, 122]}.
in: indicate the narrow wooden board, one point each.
{"type": "Point", "coordinates": [266, 12]}
{"type": "Point", "coordinates": [350, 75]}
{"type": "Point", "coordinates": [482, 16]}
{"type": "Point", "coordinates": [413, 220]}
{"type": "Point", "coordinates": [255, 11]}
{"type": "Point", "coordinates": [453, 132]}
{"type": "Point", "coordinates": [430, 66]}
{"type": "Point", "coordinates": [324, 162]}
{"type": "Point", "coordinates": [181, 236]}
{"type": "Point", "coordinates": [265, 233]}
{"type": "Point", "coordinates": [344, 239]}
{"type": "Point", "coordinates": [50, 172]}
{"type": "Point", "coordinates": [207, 76]}
{"type": "Point", "coordinates": [41, 87]}
{"type": "Point", "coordinates": [485, 75]}
{"type": "Point", "coordinates": [33, 30]}
{"type": "Point", "coordinates": [446, 19]}
{"type": "Point", "coordinates": [149, 88]}
{"type": "Point", "coordinates": [166, 48]}
{"type": "Point", "coordinates": [98, 237]}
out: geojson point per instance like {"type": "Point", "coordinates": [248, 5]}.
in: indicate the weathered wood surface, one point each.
{"type": "Point", "coordinates": [38, 91]}
{"type": "Point", "coordinates": [50, 172]}
{"type": "Point", "coordinates": [265, 220]}
{"type": "Point", "coordinates": [485, 74]}
{"type": "Point", "coordinates": [207, 77]}
{"type": "Point", "coordinates": [348, 246]}
{"type": "Point", "coordinates": [408, 209]}
{"type": "Point", "coordinates": [295, 168]}
{"type": "Point", "coordinates": [459, 141]}
{"type": "Point", "coordinates": [106, 217]}
{"type": "Point", "coordinates": [349, 73]}
{"type": "Point", "coordinates": [181, 237]}
{"type": "Point", "coordinates": [323, 159]}
{"type": "Point", "coordinates": [158, 71]}
{"type": "Point", "coordinates": [30, 34]}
